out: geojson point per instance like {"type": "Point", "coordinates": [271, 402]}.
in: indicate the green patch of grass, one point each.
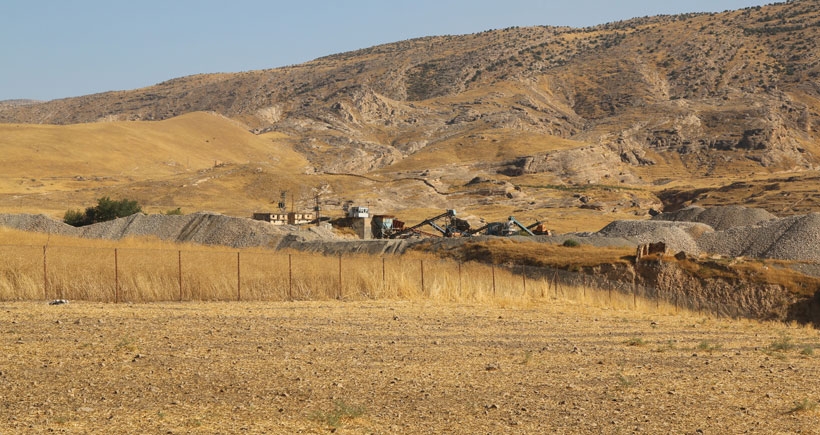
{"type": "Point", "coordinates": [709, 346]}
{"type": "Point", "coordinates": [804, 405]}
{"type": "Point", "coordinates": [782, 344]}
{"type": "Point", "coordinates": [636, 341]}
{"type": "Point", "coordinates": [194, 422]}
{"type": "Point", "coordinates": [624, 381]}
{"type": "Point", "coordinates": [340, 413]}
{"type": "Point", "coordinates": [571, 243]}
{"type": "Point", "coordinates": [669, 345]}
{"type": "Point", "coordinates": [807, 350]}
{"type": "Point", "coordinates": [127, 343]}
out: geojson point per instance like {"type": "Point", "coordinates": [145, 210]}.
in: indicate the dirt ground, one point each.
{"type": "Point", "coordinates": [399, 367]}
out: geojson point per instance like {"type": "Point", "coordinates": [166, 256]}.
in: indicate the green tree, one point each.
{"type": "Point", "coordinates": [75, 218]}
{"type": "Point", "coordinates": [105, 210]}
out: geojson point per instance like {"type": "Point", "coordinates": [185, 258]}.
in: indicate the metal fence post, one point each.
{"type": "Point", "coordinates": [179, 269]}
{"type": "Point", "coordinates": [340, 278]}
{"type": "Point", "coordinates": [459, 280]}
{"type": "Point", "coordinates": [116, 278]}
{"type": "Point", "coordinates": [45, 274]}
{"type": "Point", "coordinates": [290, 277]}
{"type": "Point", "coordinates": [492, 268]}
{"type": "Point", "coordinates": [421, 266]}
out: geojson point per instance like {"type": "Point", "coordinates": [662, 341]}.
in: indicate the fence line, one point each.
{"type": "Point", "coordinates": [146, 275]}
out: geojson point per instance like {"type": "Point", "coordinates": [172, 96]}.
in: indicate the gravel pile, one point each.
{"type": "Point", "coordinates": [791, 238]}
{"type": "Point", "coordinates": [203, 228]}
{"type": "Point", "coordinates": [719, 218]}
{"type": "Point", "coordinates": [678, 236]}
{"type": "Point", "coordinates": [37, 223]}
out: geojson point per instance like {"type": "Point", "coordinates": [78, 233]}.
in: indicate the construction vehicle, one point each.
{"type": "Point", "coordinates": [451, 226]}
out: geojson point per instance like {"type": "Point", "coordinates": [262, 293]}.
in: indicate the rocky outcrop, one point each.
{"type": "Point", "coordinates": [666, 280]}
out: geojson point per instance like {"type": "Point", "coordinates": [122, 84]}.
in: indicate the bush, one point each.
{"type": "Point", "coordinates": [571, 243]}
{"type": "Point", "coordinates": [75, 218]}
{"type": "Point", "coordinates": [105, 210]}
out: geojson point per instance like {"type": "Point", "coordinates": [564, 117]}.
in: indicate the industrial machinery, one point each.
{"type": "Point", "coordinates": [385, 226]}
{"type": "Point", "coordinates": [447, 224]}
{"type": "Point", "coordinates": [512, 227]}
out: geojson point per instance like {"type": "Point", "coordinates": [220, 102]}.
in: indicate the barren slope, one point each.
{"type": "Point", "coordinates": [399, 367]}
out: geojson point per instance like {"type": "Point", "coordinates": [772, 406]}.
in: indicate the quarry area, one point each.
{"type": "Point", "coordinates": [729, 231]}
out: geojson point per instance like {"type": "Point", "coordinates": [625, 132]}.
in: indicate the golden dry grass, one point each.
{"type": "Point", "coordinates": [69, 164]}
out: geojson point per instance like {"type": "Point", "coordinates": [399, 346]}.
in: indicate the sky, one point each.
{"type": "Point", "coordinates": [52, 49]}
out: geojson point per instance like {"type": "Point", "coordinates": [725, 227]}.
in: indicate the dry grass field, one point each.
{"type": "Point", "coordinates": [398, 366]}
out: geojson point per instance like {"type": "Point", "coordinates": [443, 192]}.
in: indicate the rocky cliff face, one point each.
{"type": "Point", "coordinates": [701, 88]}
{"type": "Point", "coordinates": [673, 284]}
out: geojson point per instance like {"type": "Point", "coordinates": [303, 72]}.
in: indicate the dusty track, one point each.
{"type": "Point", "coordinates": [398, 367]}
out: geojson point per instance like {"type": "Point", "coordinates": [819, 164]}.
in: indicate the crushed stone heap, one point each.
{"type": "Point", "coordinates": [719, 218]}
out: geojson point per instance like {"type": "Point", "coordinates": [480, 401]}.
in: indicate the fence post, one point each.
{"type": "Point", "coordinates": [384, 280]}
{"type": "Point", "coordinates": [524, 277]}
{"type": "Point", "coordinates": [340, 277]}
{"type": "Point", "coordinates": [238, 280]}
{"type": "Point", "coordinates": [584, 288]}
{"type": "Point", "coordinates": [459, 280]}
{"type": "Point", "coordinates": [290, 277]}
{"type": "Point", "coordinates": [116, 278]}
{"type": "Point", "coordinates": [421, 266]}
{"type": "Point", "coordinates": [45, 274]}
{"type": "Point", "coordinates": [179, 269]}
{"type": "Point", "coordinates": [492, 268]}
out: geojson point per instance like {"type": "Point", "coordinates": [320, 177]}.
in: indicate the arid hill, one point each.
{"type": "Point", "coordinates": [662, 105]}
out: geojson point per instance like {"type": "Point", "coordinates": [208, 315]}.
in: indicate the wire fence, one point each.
{"type": "Point", "coordinates": [118, 275]}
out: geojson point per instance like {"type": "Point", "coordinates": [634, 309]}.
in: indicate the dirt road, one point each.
{"type": "Point", "coordinates": [399, 367]}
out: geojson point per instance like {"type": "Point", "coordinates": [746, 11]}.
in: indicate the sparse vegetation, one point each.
{"type": "Point", "coordinates": [341, 413]}
{"type": "Point", "coordinates": [636, 341]}
{"type": "Point", "coordinates": [782, 344]}
{"type": "Point", "coordinates": [571, 243]}
{"type": "Point", "coordinates": [804, 405]}
{"type": "Point", "coordinates": [105, 210]}
{"type": "Point", "coordinates": [709, 346]}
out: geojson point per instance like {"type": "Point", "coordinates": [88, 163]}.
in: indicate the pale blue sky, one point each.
{"type": "Point", "coordinates": [62, 48]}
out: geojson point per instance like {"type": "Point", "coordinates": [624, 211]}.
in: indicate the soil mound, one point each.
{"type": "Point", "coordinates": [719, 218]}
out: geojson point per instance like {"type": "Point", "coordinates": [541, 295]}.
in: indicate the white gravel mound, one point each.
{"type": "Point", "coordinates": [678, 236]}
{"type": "Point", "coordinates": [719, 218]}
{"type": "Point", "coordinates": [37, 223]}
{"type": "Point", "coordinates": [791, 238]}
{"type": "Point", "coordinates": [204, 228]}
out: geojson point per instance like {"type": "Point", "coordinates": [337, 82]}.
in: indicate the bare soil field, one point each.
{"type": "Point", "coordinates": [548, 366]}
